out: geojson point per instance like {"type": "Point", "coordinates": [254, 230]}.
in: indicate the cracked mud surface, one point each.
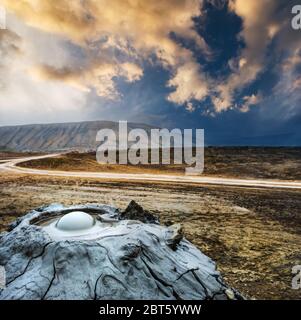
{"type": "Point", "coordinates": [254, 235]}
{"type": "Point", "coordinates": [128, 260]}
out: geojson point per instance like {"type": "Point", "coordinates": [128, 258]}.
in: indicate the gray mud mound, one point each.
{"type": "Point", "coordinates": [94, 252]}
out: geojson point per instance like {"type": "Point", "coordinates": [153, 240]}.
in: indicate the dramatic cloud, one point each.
{"type": "Point", "coordinates": [115, 37]}
{"type": "Point", "coordinates": [22, 98]}
{"type": "Point", "coordinates": [99, 75]}
{"type": "Point", "coordinates": [190, 84]}
{"type": "Point", "coordinates": [249, 101]}
{"type": "Point", "coordinates": [73, 54]}
{"type": "Point", "coordinates": [259, 28]}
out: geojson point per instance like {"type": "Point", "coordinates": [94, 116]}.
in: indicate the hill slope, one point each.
{"type": "Point", "coordinates": [57, 136]}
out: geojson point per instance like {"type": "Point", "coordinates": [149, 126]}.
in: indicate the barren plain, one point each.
{"type": "Point", "coordinates": [254, 234]}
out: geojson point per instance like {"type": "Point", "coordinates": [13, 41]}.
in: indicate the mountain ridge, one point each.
{"type": "Point", "coordinates": [51, 137]}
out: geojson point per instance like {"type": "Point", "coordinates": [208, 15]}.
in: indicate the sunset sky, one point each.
{"type": "Point", "coordinates": [230, 67]}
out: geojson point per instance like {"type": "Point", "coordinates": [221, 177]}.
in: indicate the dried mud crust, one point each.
{"type": "Point", "coordinates": [252, 234]}
{"type": "Point", "coordinates": [128, 260]}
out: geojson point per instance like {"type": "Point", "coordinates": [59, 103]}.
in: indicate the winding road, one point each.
{"type": "Point", "coordinates": [11, 165]}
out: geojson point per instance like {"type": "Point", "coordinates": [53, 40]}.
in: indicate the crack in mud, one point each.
{"type": "Point", "coordinates": [29, 262]}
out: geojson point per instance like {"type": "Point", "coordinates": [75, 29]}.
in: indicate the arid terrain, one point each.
{"type": "Point", "coordinates": [254, 234]}
{"type": "Point", "coordinates": [244, 162]}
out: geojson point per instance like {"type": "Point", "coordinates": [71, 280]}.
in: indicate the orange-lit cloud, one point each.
{"type": "Point", "coordinates": [137, 28]}
{"type": "Point", "coordinates": [88, 45]}
{"type": "Point", "coordinates": [99, 76]}
{"type": "Point", "coordinates": [190, 85]}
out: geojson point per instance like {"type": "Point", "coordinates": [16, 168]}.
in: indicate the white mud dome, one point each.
{"type": "Point", "coordinates": [97, 252]}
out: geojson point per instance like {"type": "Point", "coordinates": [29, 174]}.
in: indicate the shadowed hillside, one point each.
{"type": "Point", "coordinates": [58, 136]}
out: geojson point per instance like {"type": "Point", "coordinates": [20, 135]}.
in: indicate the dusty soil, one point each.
{"type": "Point", "coordinates": [254, 235]}
{"type": "Point", "coordinates": [238, 162]}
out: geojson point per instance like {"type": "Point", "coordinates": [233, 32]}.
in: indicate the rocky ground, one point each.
{"type": "Point", "coordinates": [254, 235]}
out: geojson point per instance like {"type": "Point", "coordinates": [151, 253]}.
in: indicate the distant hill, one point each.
{"type": "Point", "coordinates": [79, 136]}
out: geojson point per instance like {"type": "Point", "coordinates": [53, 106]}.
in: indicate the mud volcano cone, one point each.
{"type": "Point", "coordinates": [98, 252]}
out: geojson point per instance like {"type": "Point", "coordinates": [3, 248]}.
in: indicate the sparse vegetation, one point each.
{"type": "Point", "coordinates": [239, 162]}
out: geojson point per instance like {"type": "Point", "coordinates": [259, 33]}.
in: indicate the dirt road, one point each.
{"type": "Point", "coordinates": [12, 166]}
